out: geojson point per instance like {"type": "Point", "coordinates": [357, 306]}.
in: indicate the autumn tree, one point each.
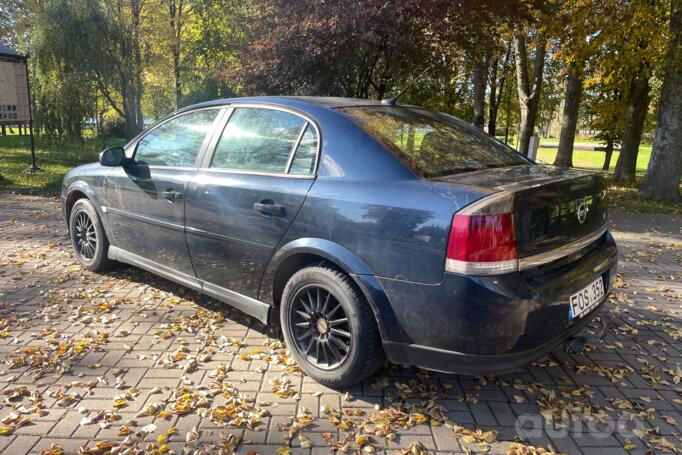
{"type": "Point", "coordinates": [605, 112]}
{"type": "Point", "coordinates": [530, 63]}
{"type": "Point", "coordinates": [575, 29]}
{"type": "Point", "coordinates": [334, 48]}
{"type": "Point", "coordinates": [636, 44]}
{"type": "Point", "coordinates": [500, 70]}
{"type": "Point", "coordinates": [665, 166]}
{"type": "Point", "coordinates": [100, 40]}
{"type": "Point", "coordinates": [481, 61]}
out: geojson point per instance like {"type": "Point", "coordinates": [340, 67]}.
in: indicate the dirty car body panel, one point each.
{"type": "Point", "coordinates": [383, 210]}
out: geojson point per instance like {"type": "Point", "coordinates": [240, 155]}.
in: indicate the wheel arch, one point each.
{"type": "Point", "coordinates": [311, 251]}
{"type": "Point", "coordinates": [71, 199]}
{"type": "Point", "coordinates": [82, 190]}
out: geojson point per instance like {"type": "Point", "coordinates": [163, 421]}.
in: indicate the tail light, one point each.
{"type": "Point", "coordinates": [482, 244]}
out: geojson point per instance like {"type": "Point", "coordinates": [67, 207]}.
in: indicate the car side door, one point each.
{"type": "Point", "coordinates": [247, 192]}
{"type": "Point", "coordinates": [146, 196]}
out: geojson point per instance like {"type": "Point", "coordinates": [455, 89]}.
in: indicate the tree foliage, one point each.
{"type": "Point", "coordinates": [519, 63]}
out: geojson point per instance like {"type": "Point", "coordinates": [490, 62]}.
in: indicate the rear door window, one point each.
{"type": "Point", "coordinates": [303, 162]}
{"type": "Point", "coordinates": [432, 144]}
{"type": "Point", "coordinates": [266, 140]}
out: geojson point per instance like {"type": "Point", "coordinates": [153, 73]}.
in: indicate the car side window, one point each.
{"type": "Point", "coordinates": [259, 139]}
{"type": "Point", "coordinates": [306, 153]}
{"type": "Point", "coordinates": [176, 143]}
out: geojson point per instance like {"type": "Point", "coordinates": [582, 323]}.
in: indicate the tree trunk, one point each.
{"type": "Point", "coordinates": [632, 131]}
{"type": "Point", "coordinates": [569, 120]}
{"type": "Point", "coordinates": [608, 152]}
{"type": "Point", "coordinates": [175, 13]}
{"type": "Point", "coordinates": [665, 166]}
{"type": "Point", "coordinates": [411, 133]}
{"type": "Point", "coordinates": [496, 91]}
{"type": "Point", "coordinates": [492, 100]}
{"type": "Point", "coordinates": [529, 87]}
{"type": "Point", "coordinates": [480, 76]}
{"type": "Point", "coordinates": [137, 61]}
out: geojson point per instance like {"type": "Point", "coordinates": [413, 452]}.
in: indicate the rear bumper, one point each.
{"type": "Point", "coordinates": [474, 364]}
{"type": "Point", "coordinates": [493, 324]}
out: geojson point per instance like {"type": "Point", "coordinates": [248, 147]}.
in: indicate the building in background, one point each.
{"type": "Point", "coordinates": [14, 99]}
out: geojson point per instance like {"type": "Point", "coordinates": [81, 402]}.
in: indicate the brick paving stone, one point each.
{"type": "Point", "coordinates": [68, 445]}
{"type": "Point", "coordinates": [21, 444]}
{"type": "Point", "coordinates": [31, 226]}
{"type": "Point", "coordinates": [66, 425]}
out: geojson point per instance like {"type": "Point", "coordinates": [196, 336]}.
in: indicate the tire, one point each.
{"type": "Point", "coordinates": [91, 250]}
{"type": "Point", "coordinates": [307, 290]}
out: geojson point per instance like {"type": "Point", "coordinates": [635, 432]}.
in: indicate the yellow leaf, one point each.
{"type": "Point", "coordinates": [284, 450]}
{"type": "Point", "coordinates": [361, 439]}
{"type": "Point", "coordinates": [53, 450]}
{"type": "Point", "coordinates": [306, 442]}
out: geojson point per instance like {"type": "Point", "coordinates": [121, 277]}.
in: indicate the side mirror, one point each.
{"type": "Point", "coordinates": [113, 156]}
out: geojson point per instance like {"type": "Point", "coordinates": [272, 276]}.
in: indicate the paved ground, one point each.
{"type": "Point", "coordinates": [130, 361]}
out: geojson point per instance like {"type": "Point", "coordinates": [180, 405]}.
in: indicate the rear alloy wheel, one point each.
{"type": "Point", "coordinates": [329, 327]}
{"type": "Point", "coordinates": [88, 238]}
{"type": "Point", "coordinates": [321, 328]}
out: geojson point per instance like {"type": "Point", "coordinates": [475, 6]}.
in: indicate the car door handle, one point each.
{"type": "Point", "coordinates": [268, 207]}
{"type": "Point", "coordinates": [172, 195]}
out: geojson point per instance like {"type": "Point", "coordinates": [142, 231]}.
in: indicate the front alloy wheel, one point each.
{"type": "Point", "coordinates": [88, 238]}
{"type": "Point", "coordinates": [84, 236]}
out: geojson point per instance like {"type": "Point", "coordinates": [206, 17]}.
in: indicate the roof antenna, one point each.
{"type": "Point", "coordinates": [391, 101]}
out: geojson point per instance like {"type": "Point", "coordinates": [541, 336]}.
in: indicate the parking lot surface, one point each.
{"type": "Point", "coordinates": [128, 362]}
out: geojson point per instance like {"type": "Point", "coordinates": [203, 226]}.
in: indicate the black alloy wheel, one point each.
{"type": "Point", "coordinates": [89, 241]}
{"type": "Point", "coordinates": [329, 326]}
{"type": "Point", "coordinates": [85, 236]}
{"type": "Point", "coordinates": [321, 327]}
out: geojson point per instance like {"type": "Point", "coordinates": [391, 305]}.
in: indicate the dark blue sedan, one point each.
{"type": "Point", "coordinates": [364, 229]}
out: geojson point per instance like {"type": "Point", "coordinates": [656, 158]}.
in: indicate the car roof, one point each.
{"type": "Point", "coordinates": [291, 101]}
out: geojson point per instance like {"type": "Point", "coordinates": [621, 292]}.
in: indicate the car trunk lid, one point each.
{"type": "Point", "coordinates": [552, 207]}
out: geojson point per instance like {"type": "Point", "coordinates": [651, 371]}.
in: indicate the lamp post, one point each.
{"type": "Point", "coordinates": [33, 167]}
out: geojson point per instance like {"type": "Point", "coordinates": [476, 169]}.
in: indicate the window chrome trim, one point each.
{"type": "Point", "coordinates": [294, 148]}
{"type": "Point", "coordinates": [561, 252]}
{"type": "Point", "coordinates": [218, 170]}
{"type": "Point", "coordinates": [275, 107]}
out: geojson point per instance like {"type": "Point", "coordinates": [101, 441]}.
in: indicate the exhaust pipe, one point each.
{"type": "Point", "coordinates": [576, 344]}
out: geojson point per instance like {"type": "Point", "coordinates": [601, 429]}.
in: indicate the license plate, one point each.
{"type": "Point", "coordinates": [586, 299]}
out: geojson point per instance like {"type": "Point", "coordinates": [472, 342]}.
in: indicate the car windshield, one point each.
{"type": "Point", "coordinates": [432, 144]}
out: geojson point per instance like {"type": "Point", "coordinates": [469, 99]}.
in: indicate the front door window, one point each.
{"type": "Point", "coordinates": [177, 142]}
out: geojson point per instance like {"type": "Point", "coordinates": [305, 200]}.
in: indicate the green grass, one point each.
{"type": "Point", "coordinates": [627, 198]}
{"type": "Point", "coordinates": [593, 159]}
{"type": "Point", "coordinates": [589, 159]}
{"type": "Point", "coordinates": [54, 157]}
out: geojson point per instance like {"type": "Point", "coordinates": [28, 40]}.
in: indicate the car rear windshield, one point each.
{"type": "Point", "coordinates": [432, 144]}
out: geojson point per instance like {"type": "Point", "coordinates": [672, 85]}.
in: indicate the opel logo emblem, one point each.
{"type": "Point", "coordinates": [581, 211]}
